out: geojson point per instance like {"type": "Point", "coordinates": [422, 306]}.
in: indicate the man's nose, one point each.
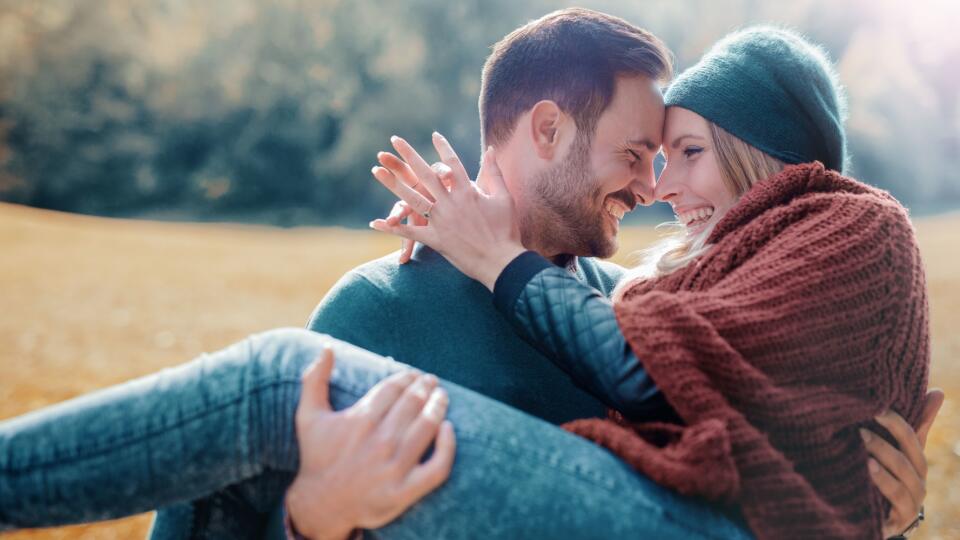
{"type": "Point", "coordinates": [643, 189]}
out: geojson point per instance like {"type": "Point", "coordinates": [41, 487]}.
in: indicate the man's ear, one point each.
{"type": "Point", "coordinates": [546, 124]}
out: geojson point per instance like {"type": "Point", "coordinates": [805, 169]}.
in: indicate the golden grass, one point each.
{"type": "Point", "coordinates": [89, 302]}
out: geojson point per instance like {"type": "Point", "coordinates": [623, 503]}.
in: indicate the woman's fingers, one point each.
{"type": "Point", "coordinates": [427, 476]}
{"type": "Point", "coordinates": [460, 179]}
{"type": "Point", "coordinates": [896, 492]}
{"type": "Point", "coordinates": [398, 213]}
{"type": "Point", "coordinates": [406, 409]}
{"type": "Point", "coordinates": [490, 178]}
{"type": "Point", "coordinates": [406, 245]}
{"type": "Point", "coordinates": [423, 430]}
{"type": "Point", "coordinates": [426, 182]}
{"type": "Point", "coordinates": [906, 438]}
{"type": "Point", "coordinates": [424, 235]}
{"type": "Point", "coordinates": [897, 464]}
{"type": "Point", "coordinates": [399, 188]}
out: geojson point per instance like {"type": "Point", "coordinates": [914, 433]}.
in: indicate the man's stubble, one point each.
{"type": "Point", "coordinates": [564, 215]}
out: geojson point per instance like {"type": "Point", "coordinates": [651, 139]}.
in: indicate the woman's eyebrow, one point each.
{"type": "Point", "coordinates": [676, 142]}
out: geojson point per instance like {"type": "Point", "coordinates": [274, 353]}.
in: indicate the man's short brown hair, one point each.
{"type": "Point", "coordinates": [571, 56]}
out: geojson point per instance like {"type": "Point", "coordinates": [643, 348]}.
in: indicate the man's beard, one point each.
{"type": "Point", "coordinates": [562, 216]}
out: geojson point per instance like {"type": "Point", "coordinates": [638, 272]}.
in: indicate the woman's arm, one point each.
{"type": "Point", "coordinates": [573, 324]}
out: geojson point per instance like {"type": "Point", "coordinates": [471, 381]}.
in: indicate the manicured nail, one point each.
{"type": "Point", "coordinates": [873, 466]}
{"type": "Point", "coordinates": [865, 435]}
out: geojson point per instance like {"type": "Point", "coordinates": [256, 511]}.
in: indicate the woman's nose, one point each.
{"type": "Point", "coordinates": [666, 189]}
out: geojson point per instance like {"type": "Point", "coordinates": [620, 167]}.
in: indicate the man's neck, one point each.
{"type": "Point", "coordinates": [564, 260]}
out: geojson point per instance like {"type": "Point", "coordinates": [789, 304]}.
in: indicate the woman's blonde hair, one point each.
{"type": "Point", "coordinates": [741, 166]}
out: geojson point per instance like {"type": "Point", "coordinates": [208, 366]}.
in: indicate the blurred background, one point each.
{"type": "Point", "coordinates": [272, 111]}
{"type": "Point", "coordinates": [157, 115]}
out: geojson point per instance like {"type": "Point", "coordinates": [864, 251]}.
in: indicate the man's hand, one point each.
{"type": "Point", "coordinates": [360, 467]}
{"type": "Point", "coordinates": [901, 475]}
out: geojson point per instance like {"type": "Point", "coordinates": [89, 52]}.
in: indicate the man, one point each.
{"type": "Point", "coordinates": [572, 103]}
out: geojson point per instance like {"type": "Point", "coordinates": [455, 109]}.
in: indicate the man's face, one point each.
{"type": "Point", "coordinates": [575, 206]}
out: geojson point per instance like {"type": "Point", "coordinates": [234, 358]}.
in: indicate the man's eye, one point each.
{"type": "Point", "coordinates": [636, 156]}
{"type": "Point", "coordinates": [691, 151]}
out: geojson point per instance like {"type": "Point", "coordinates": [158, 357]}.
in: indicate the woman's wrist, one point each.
{"type": "Point", "coordinates": [494, 263]}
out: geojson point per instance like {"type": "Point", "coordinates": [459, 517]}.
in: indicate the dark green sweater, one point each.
{"type": "Point", "coordinates": [429, 315]}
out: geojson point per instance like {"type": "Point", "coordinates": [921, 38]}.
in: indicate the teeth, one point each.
{"type": "Point", "coordinates": [615, 210]}
{"type": "Point", "coordinates": [695, 215]}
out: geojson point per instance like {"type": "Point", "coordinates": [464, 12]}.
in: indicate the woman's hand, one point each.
{"type": "Point", "coordinates": [475, 229]}
{"type": "Point", "coordinates": [360, 467]}
{"type": "Point", "coordinates": [901, 475]}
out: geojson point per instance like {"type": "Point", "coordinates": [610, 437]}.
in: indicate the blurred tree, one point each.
{"type": "Point", "coordinates": [274, 110]}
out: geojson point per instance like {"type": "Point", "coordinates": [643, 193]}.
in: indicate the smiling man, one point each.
{"type": "Point", "coordinates": [572, 100]}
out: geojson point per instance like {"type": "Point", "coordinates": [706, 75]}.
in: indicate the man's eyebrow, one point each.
{"type": "Point", "coordinates": [676, 142]}
{"type": "Point", "coordinates": [649, 144]}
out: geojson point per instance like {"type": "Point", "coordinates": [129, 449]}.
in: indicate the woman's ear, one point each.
{"type": "Point", "coordinates": [547, 122]}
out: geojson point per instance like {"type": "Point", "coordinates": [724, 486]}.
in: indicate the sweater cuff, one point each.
{"type": "Point", "coordinates": [514, 277]}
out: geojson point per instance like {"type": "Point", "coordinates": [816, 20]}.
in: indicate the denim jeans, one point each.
{"type": "Point", "coordinates": [225, 420]}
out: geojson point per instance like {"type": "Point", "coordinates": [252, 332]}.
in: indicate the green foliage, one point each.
{"type": "Point", "coordinates": [273, 111]}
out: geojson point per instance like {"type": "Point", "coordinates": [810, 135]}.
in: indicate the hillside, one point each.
{"type": "Point", "coordinates": [89, 302]}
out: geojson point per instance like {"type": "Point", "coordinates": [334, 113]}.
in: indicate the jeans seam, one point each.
{"type": "Point", "coordinates": [60, 458]}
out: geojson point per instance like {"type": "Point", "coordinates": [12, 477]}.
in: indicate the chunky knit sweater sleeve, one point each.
{"type": "Point", "coordinates": [806, 319]}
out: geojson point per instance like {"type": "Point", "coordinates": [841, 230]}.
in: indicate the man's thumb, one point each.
{"type": "Point", "coordinates": [316, 381]}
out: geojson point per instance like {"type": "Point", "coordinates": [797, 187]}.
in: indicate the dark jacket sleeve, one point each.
{"type": "Point", "coordinates": [574, 325]}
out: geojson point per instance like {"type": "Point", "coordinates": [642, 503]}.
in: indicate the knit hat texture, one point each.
{"type": "Point", "coordinates": [773, 89]}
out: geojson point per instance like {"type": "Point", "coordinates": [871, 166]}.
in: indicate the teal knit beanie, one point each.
{"type": "Point", "coordinates": [774, 90]}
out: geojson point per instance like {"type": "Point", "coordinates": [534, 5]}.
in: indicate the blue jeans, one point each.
{"type": "Point", "coordinates": [225, 421]}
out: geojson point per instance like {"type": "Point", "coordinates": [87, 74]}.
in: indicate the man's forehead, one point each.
{"type": "Point", "coordinates": [635, 117]}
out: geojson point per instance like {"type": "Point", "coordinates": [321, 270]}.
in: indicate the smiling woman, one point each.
{"type": "Point", "coordinates": [689, 184]}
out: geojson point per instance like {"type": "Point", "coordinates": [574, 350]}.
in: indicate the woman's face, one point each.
{"type": "Point", "coordinates": [691, 182]}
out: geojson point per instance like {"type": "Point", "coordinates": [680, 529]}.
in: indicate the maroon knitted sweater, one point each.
{"type": "Point", "coordinates": [808, 317]}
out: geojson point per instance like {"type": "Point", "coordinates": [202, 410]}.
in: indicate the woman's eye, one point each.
{"type": "Point", "coordinates": [691, 151]}
{"type": "Point", "coordinates": [636, 157]}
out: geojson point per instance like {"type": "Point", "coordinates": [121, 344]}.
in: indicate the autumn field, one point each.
{"type": "Point", "coordinates": [88, 302]}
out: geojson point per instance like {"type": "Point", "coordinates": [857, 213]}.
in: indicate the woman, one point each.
{"type": "Point", "coordinates": [790, 310]}
{"type": "Point", "coordinates": [226, 418]}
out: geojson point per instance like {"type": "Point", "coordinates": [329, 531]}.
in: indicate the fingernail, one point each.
{"type": "Point", "coordinates": [873, 466]}
{"type": "Point", "coordinates": [374, 169]}
{"type": "Point", "coordinates": [420, 387]}
{"type": "Point", "coordinates": [865, 435]}
{"type": "Point", "coordinates": [437, 135]}
{"type": "Point", "coordinates": [434, 407]}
